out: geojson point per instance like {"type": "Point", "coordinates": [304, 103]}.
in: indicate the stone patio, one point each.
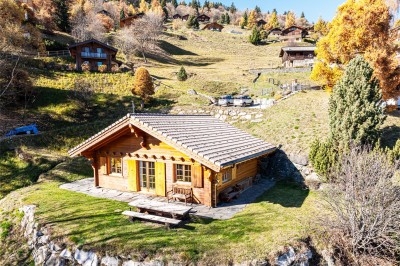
{"type": "Point", "coordinates": [224, 211]}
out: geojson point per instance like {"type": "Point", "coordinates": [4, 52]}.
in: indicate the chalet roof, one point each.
{"type": "Point", "coordinates": [296, 49]}
{"type": "Point", "coordinates": [204, 138]}
{"type": "Point", "coordinates": [275, 29]}
{"type": "Point", "coordinates": [135, 16]}
{"type": "Point", "coordinates": [90, 41]}
{"type": "Point", "coordinates": [203, 15]}
{"type": "Point", "coordinates": [294, 26]}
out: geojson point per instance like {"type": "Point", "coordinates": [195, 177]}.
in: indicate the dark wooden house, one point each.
{"type": "Point", "coordinates": [126, 22]}
{"type": "Point", "coordinates": [275, 32]}
{"type": "Point", "coordinates": [203, 18]}
{"type": "Point", "coordinates": [213, 26]}
{"type": "Point", "coordinates": [94, 53]}
{"type": "Point", "coordinates": [293, 34]}
{"type": "Point", "coordinates": [104, 12]}
{"type": "Point", "coordinates": [177, 16]}
{"type": "Point", "coordinates": [261, 22]}
{"type": "Point", "coordinates": [185, 17]}
{"type": "Point", "coordinates": [150, 153]}
{"type": "Point", "coordinates": [298, 56]}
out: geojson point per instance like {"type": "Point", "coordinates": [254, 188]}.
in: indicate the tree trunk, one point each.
{"type": "Point", "coordinates": [144, 57]}
{"type": "Point", "coordinates": [141, 104]}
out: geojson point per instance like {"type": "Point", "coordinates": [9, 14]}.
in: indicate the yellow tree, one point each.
{"type": "Point", "coordinates": [321, 26]}
{"type": "Point", "coordinates": [252, 20]}
{"type": "Point", "coordinates": [359, 27]}
{"type": "Point", "coordinates": [143, 6]}
{"type": "Point", "coordinates": [290, 19]}
{"type": "Point", "coordinates": [272, 22]}
{"type": "Point", "coordinates": [156, 7]}
{"type": "Point", "coordinates": [143, 84]}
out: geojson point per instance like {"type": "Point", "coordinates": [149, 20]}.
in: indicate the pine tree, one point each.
{"type": "Point", "coordinates": [244, 20]}
{"type": "Point", "coordinates": [222, 19]}
{"type": "Point", "coordinates": [193, 22]}
{"type": "Point", "coordinates": [257, 9]}
{"type": "Point", "coordinates": [163, 3]}
{"type": "Point", "coordinates": [227, 18]}
{"type": "Point", "coordinates": [274, 11]}
{"type": "Point", "coordinates": [233, 8]}
{"type": "Point", "coordinates": [174, 3]}
{"type": "Point", "coordinates": [143, 84]}
{"type": "Point", "coordinates": [182, 75]}
{"type": "Point", "coordinates": [302, 15]}
{"type": "Point", "coordinates": [255, 36]}
{"type": "Point", "coordinates": [61, 17]}
{"type": "Point", "coordinates": [354, 108]}
{"type": "Point", "coordinates": [122, 13]}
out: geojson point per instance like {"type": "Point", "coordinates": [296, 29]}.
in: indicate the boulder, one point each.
{"type": "Point", "coordinates": [86, 258]}
{"type": "Point", "coordinates": [66, 254]}
{"type": "Point", "coordinates": [298, 159]}
{"type": "Point", "coordinates": [192, 92]}
{"type": "Point", "coordinates": [109, 261]}
{"type": "Point", "coordinates": [287, 258]}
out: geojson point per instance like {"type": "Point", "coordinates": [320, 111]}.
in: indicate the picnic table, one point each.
{"type": "Point", "coordinates": [161, 208]}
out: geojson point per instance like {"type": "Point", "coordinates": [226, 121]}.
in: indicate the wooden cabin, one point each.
{"type": "Point", "coordinates": [293, 34]}
{"type": "Point", "coordinates": [126, 22]}
{"type": "Point", "coordinates": [261, 22]}
{"type": "Point", "coordinates": [275, 32]}
{"type": "Point", "coordinates": [177, 16]}
{"type": "Point", "coordinates": [298, 56]}
{"type": "Point", "coordinates": [185, 17]}
{"type": "Point", "coordinates": [104, 12]}
{"type": "Point", "coordinates": [203, 18]}
{"type": "Point", "coordinates": [94, 53]}
{"type": "Point", "coordinates": [154, 154]}
{"type": "Point", "coordinates": [213, 26]}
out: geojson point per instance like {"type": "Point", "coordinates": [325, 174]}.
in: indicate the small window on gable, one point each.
{"type": "Point", "coordinates": [116, 165]}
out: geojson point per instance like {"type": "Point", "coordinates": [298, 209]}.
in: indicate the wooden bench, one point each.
{"type": "Point", "coordinates": [180, 193]}
{"type": "Point", "coordinates": [152, 218]}
{"type": "Point", "coordinates": [230, 193]}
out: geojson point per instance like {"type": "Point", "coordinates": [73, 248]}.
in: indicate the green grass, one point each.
{"type": "Point", "coordinates": [277, 218]}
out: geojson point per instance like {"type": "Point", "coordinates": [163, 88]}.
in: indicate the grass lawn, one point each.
{"type": "Point", "coordinates": [277, 218]}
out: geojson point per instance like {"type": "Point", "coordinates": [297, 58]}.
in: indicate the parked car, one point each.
{"type": "Point", "coordinates": [243, 100]}
{"type": "Point", "coordinates": [225, 100]}
{"type": "Point", "coordinates": [29, 129]}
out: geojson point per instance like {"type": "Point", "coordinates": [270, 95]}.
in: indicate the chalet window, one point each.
{"type": "Point", "coordinates": [86, 49]}
{"type": "Point", "coordinates": [183, 173]}
{"type": "Point", "coordinates": [227, 175]}
{"type": "Point", "coordinates": [147, 173]}
{"type": "Point", "coordinates": [115, 165]}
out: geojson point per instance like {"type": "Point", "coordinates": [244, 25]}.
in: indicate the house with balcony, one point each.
{"type": "Point", "coordinates": [293, 34]}
{"type": "Point", "coordinates": [94, 53]}
{"type": "Point", "coordinates": [297, 56]}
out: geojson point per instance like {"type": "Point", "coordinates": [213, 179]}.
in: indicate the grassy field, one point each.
{"type": "Point", "coordinates": [278, 217]}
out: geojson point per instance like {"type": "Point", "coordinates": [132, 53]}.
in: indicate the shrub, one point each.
{"type": "Point", "coordinates": [182, 75]}
{"type": "Point", "coordinates": [85, 67]}
{"type": "Point", "coordinates": [322, 157]}
{"type": "Point", "coordinates": [277, 96]}
{"type": "Point", "coordinates": [143, 84]}
{"type": "Point", "coordinates": [102, 68]}
{"type": "Point", "coordinates": [255, 36]}
{"type": "Point", "coordinates": [52, 45]}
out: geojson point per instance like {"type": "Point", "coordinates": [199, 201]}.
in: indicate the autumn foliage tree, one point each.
{"type": "Point", "coordinates": [272, 22]}
{"type": "Point", "coordinates": [143, 84]}
{"type": "Point", "coordinates": [359, 27]}
{"type": "Point", "coordinates": [252, 19]}
{"type": "Point", "coordinates": [290, 19]}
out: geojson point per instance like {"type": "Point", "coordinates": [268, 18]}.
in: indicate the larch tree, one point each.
{"type": "Point", "coordinates": [252, 19]}
{"type": "Point", "coordinates": [143, 6]}
{"type": "Point", "coordinates": [143, 85]}
{"type": "Point", "coordinates": [272, 22]}
{"type": "Point", "coordinates": [290, 19]}
{"type": "Point", "coordinates": [321, 26]}
{"type": "Point", "coordinates": [359, 27]}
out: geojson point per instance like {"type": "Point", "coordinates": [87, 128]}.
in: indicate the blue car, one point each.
{"type": "Point", "coordinates": [30, 129]}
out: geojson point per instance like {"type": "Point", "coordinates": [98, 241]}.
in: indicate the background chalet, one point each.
{"type": "Point", "coordinates": [151, 153]}
{"type": "Point", "coordinates": [298, 56]}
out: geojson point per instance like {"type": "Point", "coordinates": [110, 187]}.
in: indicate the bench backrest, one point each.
{"type": "Point", "coordinates": [182, 190]}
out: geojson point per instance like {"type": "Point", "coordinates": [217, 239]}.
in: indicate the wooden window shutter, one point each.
{"type": "Point", "coordinates": [103, 165]}
{"type": "Point", "coordinates": [197, 175]}
{"type": "Point", "coordinates": [133, 177]}
{"type": "Point", "coordinates": [160, 178]}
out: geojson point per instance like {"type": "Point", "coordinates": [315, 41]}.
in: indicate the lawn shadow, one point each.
{"type": "Point", "coordinates": [173, 49]}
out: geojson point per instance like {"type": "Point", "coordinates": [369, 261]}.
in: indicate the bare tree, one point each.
{"type": "Point", "coordinates": [141, 37]}
{"type": "Point", "coordinates": [364, 209]}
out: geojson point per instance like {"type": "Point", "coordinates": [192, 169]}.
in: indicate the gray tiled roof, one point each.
{"type": "Point", "coordinates": [203, 136]}
{"type": "Point", "coordinates": [299, 48]}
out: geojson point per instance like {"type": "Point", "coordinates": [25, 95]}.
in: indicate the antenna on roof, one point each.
{"type": "Point", "coordinates": [133, 107]}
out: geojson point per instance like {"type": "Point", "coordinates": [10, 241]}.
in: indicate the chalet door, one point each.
{"type": "Point", "coordinates": [147, 173]}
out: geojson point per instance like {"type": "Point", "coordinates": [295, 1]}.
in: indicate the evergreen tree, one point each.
{"type": "Point", "coordinates": [255, 36]}
{"type": "Point", "coordinates": [174, 3]}
{"type": "Point", "coordinates": [193, 22]}
{"type": "Point", "coordinates": [354, 108]}
{"type": "Point", "coordinates": [245, 19]}
{"type": "Point", "coordinates": [122, 13]}
{"type": "Point", "coordinates": [222, 19]}
{"type": "Point", "coordinates": [182, 75]}
{"type": "Point", "coordinates": [302, 15]}
{"type": "Point", "coordinates": [257, 9]}
{"type": "Point", "coordinates": [227, 18]}
{"type": "Point", "coordinates": [233, 8]}
{"type": "Point", "coordinates": [163, 3]}
{"type": "Point", "coordinates": [274, 11]}
{"type": "Point", "coordinates": [61, 17]}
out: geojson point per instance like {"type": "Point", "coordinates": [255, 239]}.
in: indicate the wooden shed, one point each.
{"type": "Point", "coordinates": [203, 18]}
{"type": "Point", "coordinates": [261, 22]}
{"type": "Point", "coordinates": [93, 52]}
{"type": "Point", "coordinates": [213, 26]}
{"type": "Point", "coordinates": [126, 22]}
{"type": "Point", "coordinates": [177, 16]}
{"type": "Point", "coordinates": [185, 17]}
{"type": "Point", "coordinates": [152, 153]}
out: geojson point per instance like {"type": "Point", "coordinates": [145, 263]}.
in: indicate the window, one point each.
{"type": "Point", "coordinates": [147, 175]}
{"type": "Point", "coordinates": [227, 175]}
{"type": "Point", "coordinates": [183, 173]}
{"type": "Point", "coordinates": [99, 64]}
{"type": "Point", "coordinates": [116, 165]}
{"type": "Point", "coordinates": [99, 50]}
{"type": "Point", "coordinates": [86, 49]}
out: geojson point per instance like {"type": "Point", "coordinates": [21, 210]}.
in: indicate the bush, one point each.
{"type": "Point", "coordinates": [277, 96]}
{"type": "Point", "coordinates": [52, 45]}
{"type": "Point", "coordinates": [102, 68]}
{"type": "Point", "coordinates": [255, 36]}
{"type": "Point", "coordinates": [85, 67]}
{"type": "Point", "coordinates": [322, 157]}
{"type": "Point", "coordinates": [182, 75]}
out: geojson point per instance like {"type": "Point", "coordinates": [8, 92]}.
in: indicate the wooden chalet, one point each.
{"type": "Point", "coordinates": [177, 16]}
{"type": "Point", "coordinates": [203, 18]}
{"type": "Point", "coordinates": [104, 12]}
{"type": "Point", "coordinates": [261, 22]}
{"type": "Point", "coordinates": [185, 17]}
{"type": "Point", "coordinates": [275, 32]}
{"type": "Point", "coordinates": [126, 22]}
{"type": "Point", "coordinates": [298, 56]}
{"type": "Point", "coordinates": [213, 26]}
{"type": "Point", "coordinates": [93, 52]}
{"type": "Point", "coordinates": [293, 34]}
{"type": "Point", "coordinates": [157, 154]}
